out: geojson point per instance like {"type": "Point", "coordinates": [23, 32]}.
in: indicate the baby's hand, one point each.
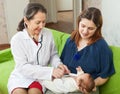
{"type": "Point", "coordinates": [79, 70]}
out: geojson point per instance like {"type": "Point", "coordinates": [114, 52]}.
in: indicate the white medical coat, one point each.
{"type": "Point", "coordinates": [24, 51]}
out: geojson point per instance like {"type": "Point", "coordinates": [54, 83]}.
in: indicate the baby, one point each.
{"type": "Point", "coordinates": [71, 83]}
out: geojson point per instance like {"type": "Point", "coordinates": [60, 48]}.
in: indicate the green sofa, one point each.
{"type": "Point", "coordinates": [7, 65]}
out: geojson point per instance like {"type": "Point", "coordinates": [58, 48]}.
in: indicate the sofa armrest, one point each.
{"type": "Point", "coordinates": [5, 55]}
{"type": "Point", "coordinates": [112, 86]}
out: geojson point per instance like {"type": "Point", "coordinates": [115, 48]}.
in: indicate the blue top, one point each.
{"type": "Point", "coordinates": [95, 59]}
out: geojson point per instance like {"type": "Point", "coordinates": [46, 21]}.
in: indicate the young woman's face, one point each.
{"type": "Point", "coordinates": [86, 28]}
{"type": "Point", "coordinates": [36, 23]}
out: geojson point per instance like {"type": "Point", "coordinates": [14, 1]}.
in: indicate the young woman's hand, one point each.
{"type": "Point", "coordinates": [83, 91]}
{"type": "Point", "coordinates": [94, 89]}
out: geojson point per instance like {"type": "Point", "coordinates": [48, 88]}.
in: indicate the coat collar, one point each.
{"type": "Point", "coordinates": [26, 35]}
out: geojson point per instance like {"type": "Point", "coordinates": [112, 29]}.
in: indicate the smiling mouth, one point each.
{"type": "Point", "coordinates": [84, 35]}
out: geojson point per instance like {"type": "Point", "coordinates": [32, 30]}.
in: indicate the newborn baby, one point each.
{"type": "Point", "coordinates": [71, 83]}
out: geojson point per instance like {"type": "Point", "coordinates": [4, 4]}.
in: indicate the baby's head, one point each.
{"type": "Point", "coordinates": [86, 82]}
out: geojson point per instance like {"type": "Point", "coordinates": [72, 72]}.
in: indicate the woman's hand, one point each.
{"type": "Point", "coordinates": [100, 81]}
{"type": "Point", "coordinates": [94, 89]}
{"type": "Point", "coordinates": [60, 71]}
{"type": "Point", "coordinates": [83, 91]}
{"type": "Point", "coordinates": [64, 68]}
{"type": "Point", "coordinates": [80, 86]}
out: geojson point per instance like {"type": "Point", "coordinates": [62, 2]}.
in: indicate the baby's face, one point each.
{"type": "Point", "coordinates": [83, 80]}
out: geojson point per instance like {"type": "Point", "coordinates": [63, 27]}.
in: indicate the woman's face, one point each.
{"type": "Point", "coordinates": [35, 24]}
{"type": "Point", "coordinates": [86, 28]}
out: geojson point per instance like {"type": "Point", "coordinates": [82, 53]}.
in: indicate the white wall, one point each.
{"type": "Point", "coordinates": [3, 29]}
{"type": "Point", "coordinates": [110, 10]}
{"type": "Point", "coordinates": [77, 8]}
{"type": "Point", "coordinates": [13, 14]}
{"type": "Point", "coordinates": [63, 5]}
{"type": "Point", "coordinates": [50, 5]}
{"type": "Point", "coordinates": [111, 18]}
{"type": "Point", "coordinates": [52, 11]}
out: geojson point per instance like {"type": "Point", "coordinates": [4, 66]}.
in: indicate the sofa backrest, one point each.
{"type": "Point", "coordinates": [60, 39]}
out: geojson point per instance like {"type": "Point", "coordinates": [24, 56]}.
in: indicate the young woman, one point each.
{"type": "Point", "coordinates": [87, 48]}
